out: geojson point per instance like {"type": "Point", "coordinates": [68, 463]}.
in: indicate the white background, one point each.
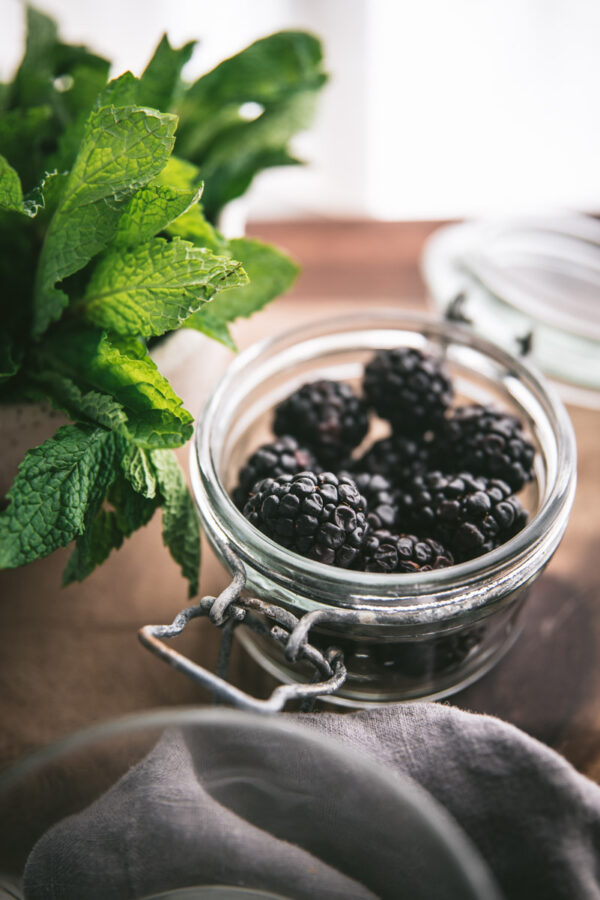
{"type": "Point", "coordinates": [435, 109]}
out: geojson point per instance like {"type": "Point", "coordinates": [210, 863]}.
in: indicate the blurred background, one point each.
{"type": "Point", "coordinates": [434, 110]}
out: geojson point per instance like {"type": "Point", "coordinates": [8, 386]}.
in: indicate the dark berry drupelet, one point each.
{"type": "Point", "coordinates": [409, 388]}
{"type": "Point", "coordinates": [326, 416]}
{"type": "Point", "coordinates": [380, 499]}
{"type": "Point", "coordinates": [319, 516]}
{"type": "Point", "coordinates": [488, 442]}
{"type": "Point", "coordinates": [470, 515]}
{"type": "Point", "coordinates": [398, 458]}
{"type": "Point", "coordinates": [387, 552]}
{"type": "Point", "coordinates": [281, 457]}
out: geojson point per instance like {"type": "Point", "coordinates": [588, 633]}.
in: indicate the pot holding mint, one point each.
{"type": "Point", "coordinates": [386, 489]}
{"type": "Point", "coordinates": [110, 195]}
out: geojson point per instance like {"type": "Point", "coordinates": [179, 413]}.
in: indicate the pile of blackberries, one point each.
{"type": "Point", "coordinates": [439, 490]}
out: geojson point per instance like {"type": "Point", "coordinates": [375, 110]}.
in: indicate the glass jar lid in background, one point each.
{"type": "Point", "coordinates": [534, 276]}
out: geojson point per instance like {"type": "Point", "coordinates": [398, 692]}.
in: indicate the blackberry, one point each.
{"type": "Point", "coordinates": [488, 442]}
{"type": "Point", "coordinates": [281, 457]}
{"type": "Point", "coordinates": [379, 497]}
{"type": "Point", "coordinates": [398, 458]}
{"type": "Point", "coordinates": [387, 552]}
{"type": "Point", "coordinates": [470, 515]}
{"type": "Point", "coordinates": [326, 416]}
{"type": "Point", "coordinates": [409, 388]}
{"type": "Point", "coordinates": [319, 516]}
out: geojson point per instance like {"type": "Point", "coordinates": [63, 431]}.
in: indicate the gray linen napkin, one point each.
{"type": "Point", "coordinates": [533, 817]}
{"type": "Point", "coordinates": [535, 820]}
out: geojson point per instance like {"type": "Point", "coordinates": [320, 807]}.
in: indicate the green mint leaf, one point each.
{"type": "Point", "coordinates": [243, 149]}
{"type": "Point", "coordinates": [56, 486]}
{"type": "Point", "coordinates": [150, 210]}
{"type": "Point", "coordinates": [212, 326]}
{"type": "Point", "coordinates": [271, 273]}
{"type": "Point", "coordinates": [122, 369]}
{"type": "Point", "coordinates": [47, 59]}
{"type": "Point", "coordinates": [87, 77]}
{"type": "Point", "coordinates": [121, 91]}
{"type": "Point", "coordinates": [179, 173]}
{"type": "Point", "coordinates": [180, 522]}
{"type": "Point", "coordinates": [230, 179]}
{"type": "Point", "coordinates": [122, 149]}
{"type": "Point", "coordinates": [108, 528]}
{"type": "Point", "coordinates": [45, 196]}
{"type": "Point", "coordinates": [268, 72]}
{"type": "Point", "coordinates": [23, 133]}
{"type": "Point", "coordinates": [132, 509]}
{"type": "Point", "coordinates": [160, 83]}
{"type": "Point", "coordinates": [11, 192]}
{"type": "Point", "coordinates": [282, 74]}
{"type": "Point", "coordinates": [89, 406]}
{"type": "Point", "coordinates": [194, 227]}
{"type": "Point", "coordinates": [139, 471]}
{"type": "Point", "coordinates": [31, 84]}
{"type": "Point", "coordinates": [92, 547]}
{"type": "Point", "coordinates": [154, 287]}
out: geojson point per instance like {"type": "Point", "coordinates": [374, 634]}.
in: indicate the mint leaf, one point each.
{"type": "Point", "coordinates": [121, 91]}
{"type": "Point", "coordinates": [228, 179]}
{"type": "Point", "coordinates": [122, 370]}
{"type": "Point", "coordinates": [179, 173]}
{"type": "Point", "coordinates": [108, 528]}
{"type": "Point", "coordinates": [91, 406]}
{"type": "Point", "coordinates": [282, 74]}
{"type": "Point", "coordinates": [194, 227]}
{"type": "Point", "coordinates": [271, 273]}
{"type": "Point", "coordinates": [154, 287]}
{"type": "Point", "coordinates": [11, 192]}
{"type": "Point", "coordinates": [268, 72]}
{"type": "Point", "coordinates": [22, 131]}
{"type": "Point", "coordinates": [47, 58]}
{"type": "Point", "coordinates": [243, 149]}
{"type": "Point", "coordinates": [58, 483]}
{"type": "Point", "coordinates": [46, 194]}
{"type": "Point", "coordinates": [121, 150]}
{"type": "Point", "coordinates": [180, 522]}
{"type": "Point", "coordinates": [150, 210]}
{"type": "Point", "coordinates": [132, 509]}
{"type": "Point", "coordinates": [92, 547]}
{"type": "Point", "coordinates": [160, 83]}
{"type": "Point", "coordinates": [139, 471]}
{"type": "Point", "coordinates": [212, 326]}
{"type": "Point", "coordinates": [36, 71]}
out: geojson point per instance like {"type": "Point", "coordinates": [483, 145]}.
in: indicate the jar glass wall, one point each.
{"type": "Point", "coordinates": [418, 635]}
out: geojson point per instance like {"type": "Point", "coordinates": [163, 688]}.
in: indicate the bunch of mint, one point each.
{"type": "Point", "coordinates": [109, 194]}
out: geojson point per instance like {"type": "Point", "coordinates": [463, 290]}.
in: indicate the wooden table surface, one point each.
{"type": "Point", "coordinates": [71, 656]}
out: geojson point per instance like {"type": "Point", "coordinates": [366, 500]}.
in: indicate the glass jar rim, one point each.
{"type": "Point", "coordinates": [271, 557]}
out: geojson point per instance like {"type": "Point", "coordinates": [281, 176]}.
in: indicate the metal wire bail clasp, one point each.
{"type": "Point", "coordinates": [231, 609]}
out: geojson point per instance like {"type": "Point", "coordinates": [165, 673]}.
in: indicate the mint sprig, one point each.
{"type": "Point", "coordinates": [109, 241]}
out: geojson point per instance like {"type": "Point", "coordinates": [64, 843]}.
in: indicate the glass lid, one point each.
{"type": "Point", "coordinates": [533, 281]}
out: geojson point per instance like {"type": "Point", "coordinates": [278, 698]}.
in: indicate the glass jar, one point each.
{"type": "Point", "coordinates": [404, 636]}
{"type": "Point", "coordinates": [226, 792]}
